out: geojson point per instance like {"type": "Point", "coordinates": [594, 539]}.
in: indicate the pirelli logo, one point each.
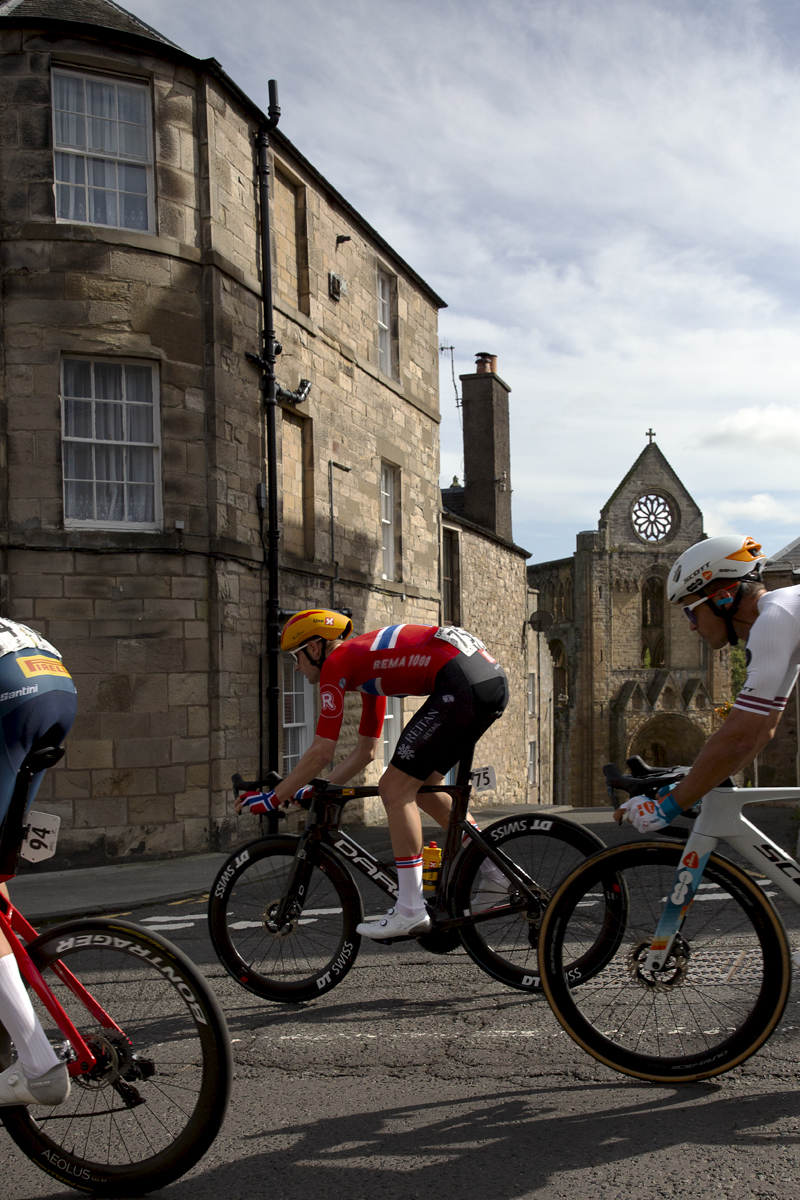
{"type": "Point", "coordinates": [35, 665]}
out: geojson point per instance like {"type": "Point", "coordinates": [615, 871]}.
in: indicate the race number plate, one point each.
{"type": "Point", "coordinates": [459, 638]}
{"type": "Point", "coordinates": [41, 835]}
{"type": "Point", "coordinates": [484, 779]}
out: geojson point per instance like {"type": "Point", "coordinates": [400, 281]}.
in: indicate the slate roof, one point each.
{"type": "Point", "coordinates": [85, 12]}
{"type": "Point", "coordinates": [453, 500]}
{"type": "Point", "coordinates": [105, 14]}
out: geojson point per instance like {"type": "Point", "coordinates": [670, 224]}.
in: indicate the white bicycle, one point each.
{"type": "Point", "coordinates": [693, 960]}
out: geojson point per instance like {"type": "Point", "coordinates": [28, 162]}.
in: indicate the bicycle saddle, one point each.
{"type": "Point", "coordinates": [645, 781]}
{"type": "Point", "coordinates": [46, 756]}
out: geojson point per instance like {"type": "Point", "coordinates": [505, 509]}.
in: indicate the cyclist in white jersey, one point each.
{"type": "Point", "coordinates": [37, 709]}
{"type": "Point", "coordinates": [718, 583]}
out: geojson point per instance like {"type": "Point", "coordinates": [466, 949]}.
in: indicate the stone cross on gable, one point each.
{"type": "Point", "coordinates": [651, 433]}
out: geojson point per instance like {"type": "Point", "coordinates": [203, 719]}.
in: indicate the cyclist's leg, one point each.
{"type": "Point", "coordinates": [477, 696]}
{"type": "Point", "coordinates": [398, 791]}
{"type": "Point", "coordinates": [27, 722]}
{"type": "Point", "coordinates": [468, 697]}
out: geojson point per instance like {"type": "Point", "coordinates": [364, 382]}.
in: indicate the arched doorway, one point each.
{"type": "Point", "coordinates": [668, 740]}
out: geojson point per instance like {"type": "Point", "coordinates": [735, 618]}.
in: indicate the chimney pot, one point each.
{"type": "Point", "coordinates": [486, 364]}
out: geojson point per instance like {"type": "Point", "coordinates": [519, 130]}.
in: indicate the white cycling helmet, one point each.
{"type": "Point", "coordinates": [728, 559]}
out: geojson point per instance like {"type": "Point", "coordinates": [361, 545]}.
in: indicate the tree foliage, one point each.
{"type": "Point", "coordinates": [738, 669]}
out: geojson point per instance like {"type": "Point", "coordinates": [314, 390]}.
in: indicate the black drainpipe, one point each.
{"type": "Point", "coordinates": [266, 361]}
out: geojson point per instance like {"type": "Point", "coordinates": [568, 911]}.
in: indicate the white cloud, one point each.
{"type": "Point", "coordinates": [775, 427]}
{"type": "Point", "coordinates": [752, 515]}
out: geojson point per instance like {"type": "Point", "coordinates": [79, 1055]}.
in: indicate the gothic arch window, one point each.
{"type": "Point", "coordinates": [653, 622]}
{"type": "Point", "coordinates": [559, 613]}
{"type": "Point", "coordinates": [568, 600]}
{"type": "Point", "coordinates": [560, 675]}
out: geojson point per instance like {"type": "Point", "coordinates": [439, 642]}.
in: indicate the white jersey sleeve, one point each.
{"type": "Point", "coordinates": [773, 653]}
{"type": "Point", "coordinates": [14, 636]}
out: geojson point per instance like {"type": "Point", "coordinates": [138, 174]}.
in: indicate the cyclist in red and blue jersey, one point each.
{"type": "Point", "coordinates": [466, 691]}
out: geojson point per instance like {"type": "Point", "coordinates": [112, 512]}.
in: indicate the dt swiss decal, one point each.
{"type": "Point", "coordinates": [331, 701]}
{"type": "Point", "coordinates": [690, 860]}
{"type": "Point", "coordinates": [39, 665]}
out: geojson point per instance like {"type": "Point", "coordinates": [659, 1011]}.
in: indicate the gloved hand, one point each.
{"type": "Point", "coordinates": [647, 816]}
{"type": "Point", "coordinates": [257, 803]}
{"type": "Point", "coordinates": [304, 793]}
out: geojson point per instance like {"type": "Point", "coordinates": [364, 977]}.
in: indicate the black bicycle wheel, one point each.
{"type": "Point", "coordinates": [315, 947]}
{"type": "Point", "coordinates": [547, 849]}
{"type": "Point", "coordinates": [157, 1097]}
{"type": "Point", "coordinates": [720, 994]}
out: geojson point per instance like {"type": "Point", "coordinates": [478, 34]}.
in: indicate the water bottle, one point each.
{"type": "Point", "coordinates": [431, 863]}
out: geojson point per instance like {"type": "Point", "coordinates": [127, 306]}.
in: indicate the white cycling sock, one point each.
{"type": "Point", "coordinates": [34, 1052]}
{"type": "Point", "coordinates": [487, 866]}
{"type": "Point", "coordinates": [409, 885]}
{"type": "Point", "coordinates": [492, 872]}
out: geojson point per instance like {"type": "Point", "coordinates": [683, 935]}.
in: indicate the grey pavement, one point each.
{"type": "Point", "coordinates": [56, 895]}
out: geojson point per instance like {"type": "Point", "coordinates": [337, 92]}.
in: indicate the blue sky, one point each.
{"type": "Point", "coordinates": [607, 197]}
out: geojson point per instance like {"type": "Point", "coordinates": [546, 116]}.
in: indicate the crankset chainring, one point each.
{"type": "Point", "coordinates": [666, 978]}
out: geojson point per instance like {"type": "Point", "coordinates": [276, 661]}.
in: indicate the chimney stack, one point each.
{"type": "Point", "coordinates": [487, 451]}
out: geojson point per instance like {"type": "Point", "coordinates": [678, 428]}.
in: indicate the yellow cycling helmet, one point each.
{"type": "Point", "coordinates": [315, 622]}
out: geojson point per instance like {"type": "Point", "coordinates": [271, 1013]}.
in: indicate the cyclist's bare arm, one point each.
{"type": "Point", "coordinates": [732, 747]}
{"type": "Point", "coordinates": [316, 758]}
{"type": "Point", "coordinates": [362, 754]}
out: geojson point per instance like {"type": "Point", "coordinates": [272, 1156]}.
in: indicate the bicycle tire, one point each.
{"type": "Point", "coordinates": [157, 1099]}
{"type": "Point", "coordinates": [723, 989]}
{"type": "Point", "coordinates": [548, 848]}
{"type": "Point", "coordinates": [320, 945]}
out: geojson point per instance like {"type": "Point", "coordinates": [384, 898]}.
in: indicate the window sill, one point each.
{"type": "Point", "coordinates": [58, 231]}
{"type": "Point", "coordinates": [115, 526]}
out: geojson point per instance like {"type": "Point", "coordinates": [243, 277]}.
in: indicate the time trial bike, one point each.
{"type": "Point", "coordinates": [144, 1039]}
{"type": "Point", "coordinates": [696, 960]}
{"type": "Point", "coordinates": [283, 910]}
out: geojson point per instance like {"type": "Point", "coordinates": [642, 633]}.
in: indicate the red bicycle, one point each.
{"type": "Point", "coordinates": [143, 1036]}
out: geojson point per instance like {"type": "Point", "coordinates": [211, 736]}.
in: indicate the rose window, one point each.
{"type": "Point", "coordinates": [651, 517]}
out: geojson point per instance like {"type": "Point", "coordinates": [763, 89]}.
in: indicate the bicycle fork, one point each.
{"type": "Point", "coordinates": [684, 887]}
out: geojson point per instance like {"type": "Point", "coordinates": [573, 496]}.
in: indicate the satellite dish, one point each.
{"type": "Point", "coordinates": [540, 620]}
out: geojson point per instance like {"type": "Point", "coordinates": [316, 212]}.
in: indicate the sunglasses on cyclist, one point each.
{"type": "Point", "coordinates": [688, 613]}
{"type": "Point", "coordinates": [302, 650]}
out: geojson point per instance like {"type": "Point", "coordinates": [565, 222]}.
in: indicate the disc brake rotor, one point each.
{"type": "Point", "coordinates": [663, 979]}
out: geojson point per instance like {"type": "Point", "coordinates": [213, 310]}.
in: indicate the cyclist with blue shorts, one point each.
{"type": "Point", "coordinates": [37, 709]}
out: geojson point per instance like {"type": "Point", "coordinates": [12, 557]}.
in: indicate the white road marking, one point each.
{"type": "Point", "coordinates": [174, 917]}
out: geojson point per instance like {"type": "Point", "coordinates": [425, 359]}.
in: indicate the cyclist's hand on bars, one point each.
{"type": "Point", "coordinates": [304, 793]}
{"type": "Point", "coordinates": [647, 816]}
{"type": "Point", "coordinates": [257, 803]}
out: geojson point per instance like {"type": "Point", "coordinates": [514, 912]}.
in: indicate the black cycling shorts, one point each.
{"type": "Point", "coordinates": [469, 695]}
{"type": "Point", "coordinates": [37, 708]}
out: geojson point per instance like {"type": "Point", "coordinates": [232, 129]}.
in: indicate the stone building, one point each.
{"type": "Point", "coordinates": [133, 495]}
{"type": "Point", "coordinates": [132, 502]}
{"type": "Point", "coordinates": [628, 675]}
{"type": "Point", "coordinates": [485, 589]}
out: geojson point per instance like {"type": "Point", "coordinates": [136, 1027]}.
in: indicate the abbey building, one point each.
{"type": "Point", "coordinates": [629, 676]}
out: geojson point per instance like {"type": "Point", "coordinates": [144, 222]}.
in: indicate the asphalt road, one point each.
{"type": "Point", "coordinates": [420, 1076]}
